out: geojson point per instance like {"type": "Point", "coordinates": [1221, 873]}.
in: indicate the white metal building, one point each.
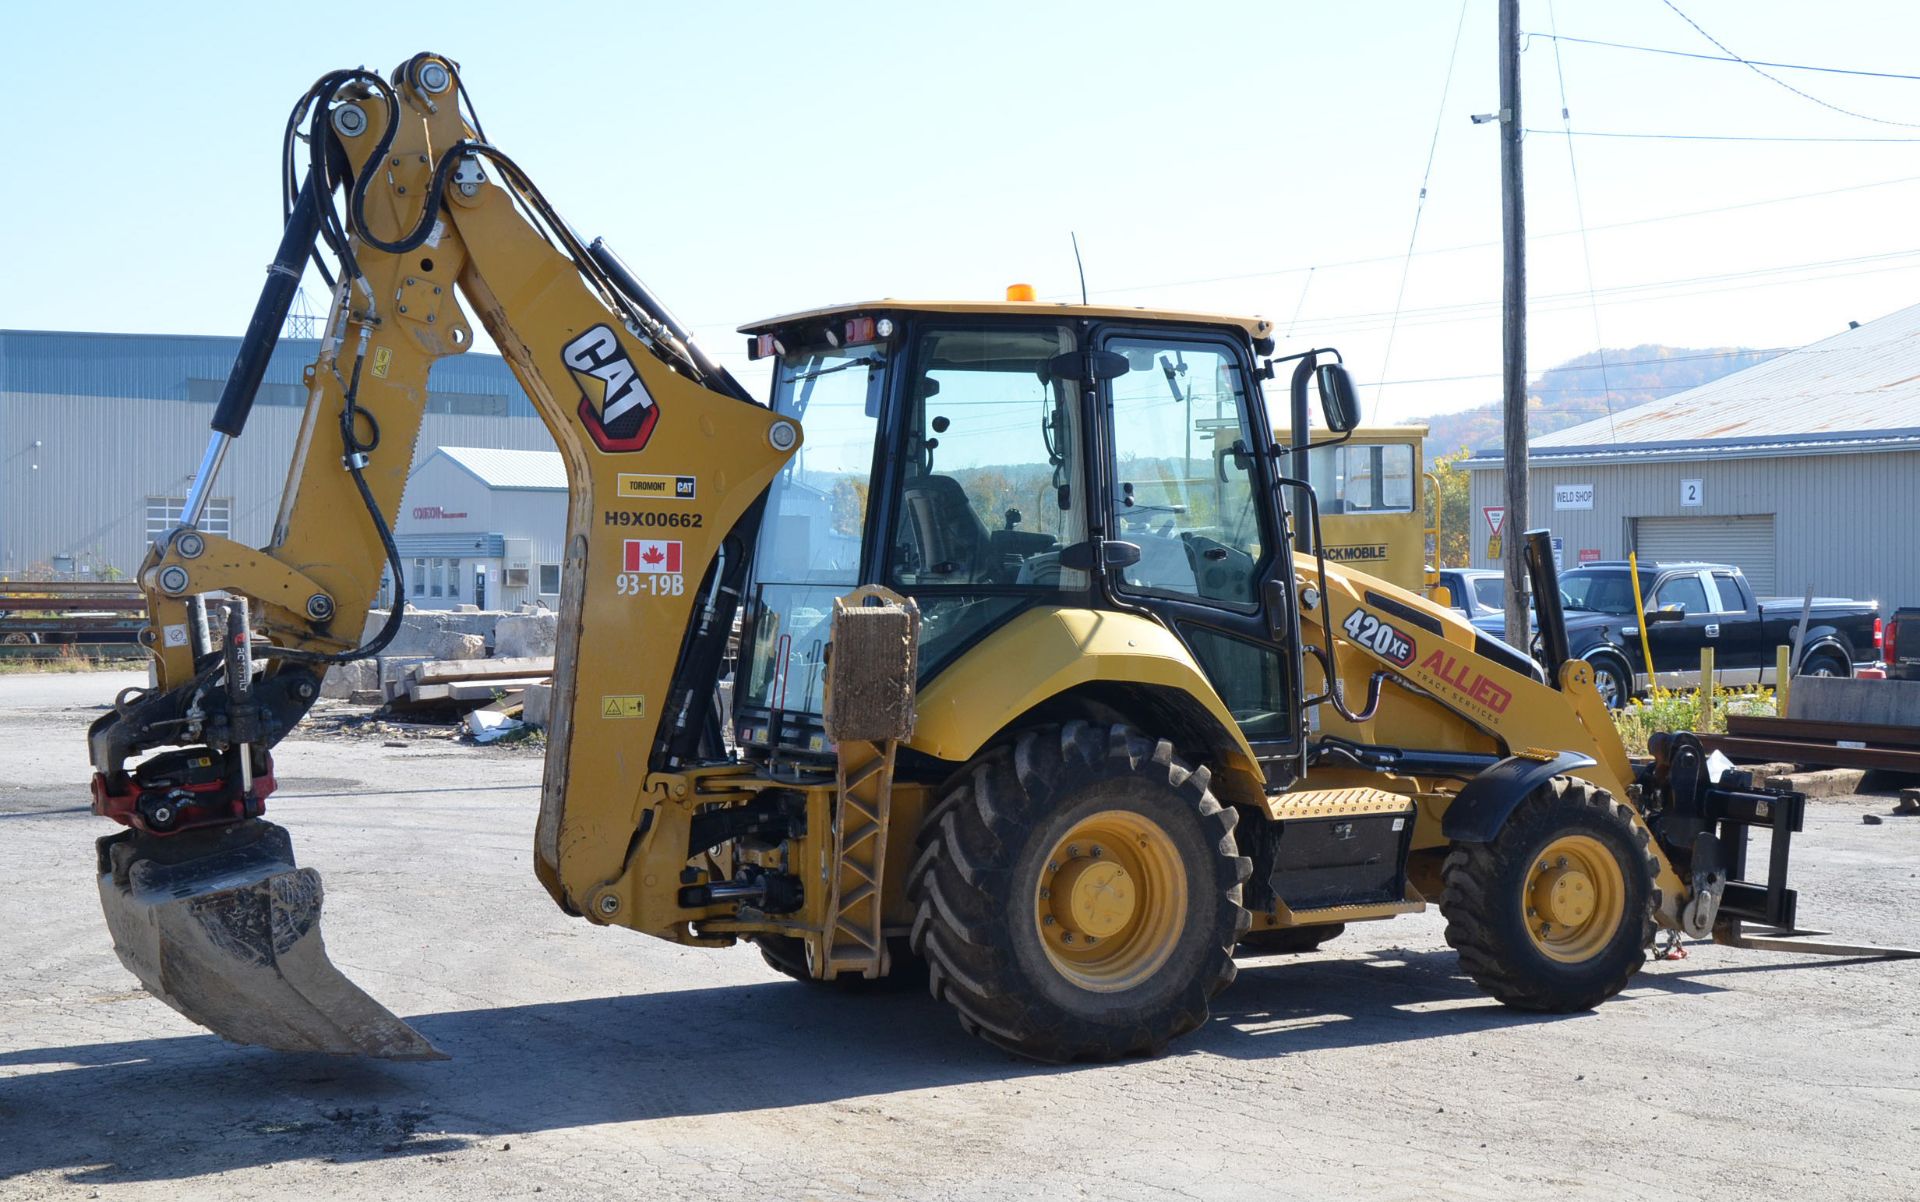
{"type": "Point", "coordinates": [1803, 470]}
{"type": "Point", "coordinates": [482, 526]}
{"type": "Point", "coordinates": [100, 435]}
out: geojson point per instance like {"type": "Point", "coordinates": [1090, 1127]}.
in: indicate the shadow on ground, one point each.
{"type": "Point", "coordinates": [180, 1106]}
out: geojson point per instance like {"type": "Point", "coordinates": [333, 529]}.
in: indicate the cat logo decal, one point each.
{"type": "Point", "coordinates": [615, 406]}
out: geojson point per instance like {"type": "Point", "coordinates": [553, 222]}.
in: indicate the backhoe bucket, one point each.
{"type": "Point", "coordinates": [222, 926]}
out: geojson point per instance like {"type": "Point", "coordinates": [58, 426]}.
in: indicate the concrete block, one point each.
{"type": "Point", "coordinates": [1840, 699]}
{"type": "Point", "coordinates": [526, 634]}
{"type": "Point", "coordinates": [454, 644]}
{"type": "Point", "coordinates": [344, 680]}
{"type": "Point", "coordinates": [1909, 802]}
{"type": "Point", "coordinates": [421, 627]}
{"type": "Point", "coordinates": [394, 667]}
{"type": "Point", "coordinates": [536, 704]}
{"type": "Point", "coordinates": [1826, 782]}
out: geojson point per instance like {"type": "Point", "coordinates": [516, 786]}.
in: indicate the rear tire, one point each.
{"type": "Point", "coordinates": [1826, 663]}
{"type": "Point", "coordinates": [1095, 828]}
{"type": "Point", "coordinates": [1288, 941]}
{"type": "Point", "coordinates": [1556, 912]}
{"type": "Point", "coordinates": [1613, 679]}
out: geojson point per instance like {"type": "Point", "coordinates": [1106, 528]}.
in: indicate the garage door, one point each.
{"type": "Point", "coordinates": [1745, 542]}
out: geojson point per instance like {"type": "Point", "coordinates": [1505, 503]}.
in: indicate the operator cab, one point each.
{"type": "Point", "coordinates": [985, 459]}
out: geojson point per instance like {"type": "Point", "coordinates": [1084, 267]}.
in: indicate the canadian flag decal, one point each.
{"type": "Point", "coordinates": [653, 555]}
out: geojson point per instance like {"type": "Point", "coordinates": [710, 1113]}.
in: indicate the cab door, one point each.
{"type": "Point", "coordinates": [1189, 490]}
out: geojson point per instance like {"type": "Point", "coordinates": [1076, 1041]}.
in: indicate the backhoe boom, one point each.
{"type": "Point", "coordinates": [432, 214]}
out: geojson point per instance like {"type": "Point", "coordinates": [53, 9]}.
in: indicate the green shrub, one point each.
{"type": "Point", "coordinates": [1681, 711]}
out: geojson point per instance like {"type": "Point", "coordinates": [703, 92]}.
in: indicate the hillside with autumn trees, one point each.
{"type": "Point", "coordinates": [1580, 390]}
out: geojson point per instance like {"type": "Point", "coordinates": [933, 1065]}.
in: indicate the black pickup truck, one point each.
{"type": "Point", "coordinates": [1696, 605]}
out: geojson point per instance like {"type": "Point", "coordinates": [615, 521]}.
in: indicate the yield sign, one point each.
{"type": "Point", "coordinates": [1496, 516]}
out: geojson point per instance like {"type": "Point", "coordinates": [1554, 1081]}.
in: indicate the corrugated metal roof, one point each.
{"type": "Point", "coordinates": [159, 366]}
{"type": "Point", "coordinates": [1859, 385]}
{"type": "Point", "coordinates": [540, 471]}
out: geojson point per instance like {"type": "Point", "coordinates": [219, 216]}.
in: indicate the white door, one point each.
{"type": "Point", "coordinates": [1746, 542]}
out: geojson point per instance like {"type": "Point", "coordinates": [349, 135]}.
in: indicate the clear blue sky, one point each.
{"type": "Point", "coordinates": [754, 158]}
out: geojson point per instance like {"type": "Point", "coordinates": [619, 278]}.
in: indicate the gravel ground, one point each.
{"type": "Point", "coordinates": [590, 1063]}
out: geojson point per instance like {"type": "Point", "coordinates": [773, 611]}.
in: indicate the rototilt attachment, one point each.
{"type": "Point", "coordinates": [201, 894]}
{"type": "Point", "coordinates": [221, 925]}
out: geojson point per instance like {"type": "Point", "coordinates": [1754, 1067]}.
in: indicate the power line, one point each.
{"type": "Point", "coordinates": [1620, 289]}
{"type": "Point", "coordinates": [1580, 215]}
{"type": "Point", "coordinates": [1420, 205]}
{"type": "Point", "coordinates": [1602, 133]}
{"type": "Point", "coordinates": [1567, 367]}
{"type": "Point", "coordinates": [1775, 79]}
{"type": "Point", "coordinates": [1715, 58]}
{"type": "Point", "coordinates": [1465, 246]}
{"type": "Point", "coordinates": [1302, 304]}
{"type": "Point", "coordinates": [1359, 328]}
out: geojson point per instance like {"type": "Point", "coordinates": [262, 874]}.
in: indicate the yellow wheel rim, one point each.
{"type": "Point", "coordinates": [1574, 897]}
{"type": "Point", "coordinates": [1111, 902]}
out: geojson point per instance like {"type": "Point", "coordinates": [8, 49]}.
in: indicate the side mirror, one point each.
{"type": "Point", "coordinates": [1339, 399]}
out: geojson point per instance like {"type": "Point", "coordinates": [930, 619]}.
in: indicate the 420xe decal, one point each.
{"type": "Point", "coordinates": [1369, 631]}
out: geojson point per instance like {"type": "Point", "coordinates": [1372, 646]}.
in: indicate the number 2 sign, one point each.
{"type": "Point", "coordinates": [1691, 494]}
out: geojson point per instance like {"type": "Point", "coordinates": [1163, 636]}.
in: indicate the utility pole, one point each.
{"type": "Point", "coordinates": [1513, 335]}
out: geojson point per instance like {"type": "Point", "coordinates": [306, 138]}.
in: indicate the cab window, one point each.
{"type": "Point", "coordinates": [1362, 478]}
{"type": "Point", "coordinates": [1683, 591]}
{"type": "Point", "coordinates": [990, 492]}
{"type": "Point", "coordinates": [1184, 490]}
{"type": "Point", "coordinates": [1732, 599]}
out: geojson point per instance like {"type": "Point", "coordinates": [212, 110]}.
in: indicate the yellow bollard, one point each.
{"type": "Point", "coordinates": [1706, 688]}
{"type": "Point", "coordinates": [1640, 607]}
{"type": "Point", "coordinates": [1781, 677]}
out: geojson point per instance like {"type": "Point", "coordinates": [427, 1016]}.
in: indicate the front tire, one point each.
{"type": "Point", "coordinates": [1078, 895]}
{"type": "Point", "coordinates": [1555, 913]}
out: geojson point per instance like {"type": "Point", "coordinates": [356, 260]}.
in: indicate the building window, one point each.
{"type": "Point", "coordinates": [419, 577]}
{"type": "Point", "coordinates": [453, 579]}
{"type": "Point", "coordinates": [163, 514]}
{"type": "Point", "coordinates": [549, 578]}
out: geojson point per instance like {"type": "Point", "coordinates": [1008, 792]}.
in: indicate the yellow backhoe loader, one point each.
{"type": "Point", "coordinates": [1044, 695]}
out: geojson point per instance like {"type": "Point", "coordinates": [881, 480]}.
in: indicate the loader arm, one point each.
{"type": "Point", "coordinates": [423, 213]}
{"type": "Point", "coordinates": [1425, 670]}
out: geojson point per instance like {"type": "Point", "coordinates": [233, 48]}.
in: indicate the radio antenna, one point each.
{"type": "Point", "coordinates": [1079, 266]}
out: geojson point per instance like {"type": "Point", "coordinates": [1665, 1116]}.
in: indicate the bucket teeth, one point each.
{"type": "Point", "coordinates": [222, 926]}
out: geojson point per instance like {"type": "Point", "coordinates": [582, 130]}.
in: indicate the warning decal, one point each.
{"type": "Point", "coordinates": [625, 705]}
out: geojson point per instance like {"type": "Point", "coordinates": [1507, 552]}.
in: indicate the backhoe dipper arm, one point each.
{"type": "Point", "coordinates": [667, 463]}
